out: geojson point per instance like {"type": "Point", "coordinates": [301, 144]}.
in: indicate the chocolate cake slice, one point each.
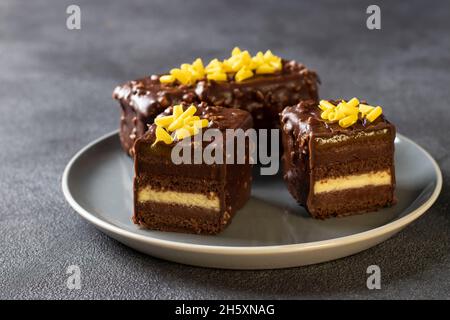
{"type": "Point", "coordinates": [338, 157]}
{"type": "Point", "coordinates": [263, 85]}
{"type": "Point", "coordinates": [194, 197]}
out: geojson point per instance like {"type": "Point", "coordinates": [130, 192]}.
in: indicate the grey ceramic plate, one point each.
{"type": "Point", "coordinates": [271, 231]}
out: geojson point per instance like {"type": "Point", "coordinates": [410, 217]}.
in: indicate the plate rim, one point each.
{"type": "Point", "coordinates": [385, 229]}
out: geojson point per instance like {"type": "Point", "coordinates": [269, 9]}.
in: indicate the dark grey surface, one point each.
{"type": "Point", "coordinates": [55, 88]}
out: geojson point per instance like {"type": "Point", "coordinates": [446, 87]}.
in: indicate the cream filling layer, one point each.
{"type": "Point", "coordinates": [179, 198]}
{"type": "Point", "coordinates": [343, 137]}
{"type": "Point", "coordinates": [377, 178]}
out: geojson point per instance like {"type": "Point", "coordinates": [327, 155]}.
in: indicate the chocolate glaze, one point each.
{"type": "Point", "coordinates": [153, 167]}
{"type": "Point", "coordinates": [304, 159]}
{"type": "Point", "coordinates": [264, 96]}
{"type": "Point", "coordinates": [305, 118]}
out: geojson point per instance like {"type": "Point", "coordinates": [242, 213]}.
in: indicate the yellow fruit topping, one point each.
{"type": "Point", "coordinates": [181, 124]}
{"type": "Point", "coordinates": [167, 79]}
{"type": "Point", "coordinates": [179, 121]}
{"type": "Point", "coordinates": [217, 76]}
{"type": "Point", "coordinates": [162, 135]}
{"type": "Point", "coordinates": [183, 76]}
{"type": "Point", "coordinates": [347, 113]}
{"type": "Point", "coordinates": [325, 115]}
{"type": "Point", "coordinates": [186, 131]}
{"type": "Point", "coordinates": [324, 105]}
{"type": "Point", "coordinates": [243, 73]}
{"type": "Point", "coordinates": [239, 66]}
{"type": "Point", "coordinates": [164, 121]}
{"type": "Point", "coordinates": [177, 110]}
{"type": "Point", "coordinates": [191, 120]}
{"type": "Point", "coordinates": [348, 121]}
{"type": "Point", "coordinates": [235, 51]}
{"type": "Point", "coordinates": [365, 109]}
{"type": "Point", "coordinates": [353, 102]}
{"type": "Point", "coordinates": [375, 113]}
{"type": "Point", "coordinates": [264, 69]}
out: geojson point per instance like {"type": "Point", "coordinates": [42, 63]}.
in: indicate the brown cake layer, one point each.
{"type": "Point", "coordinates": [354, 149]}
{"type": "Point", "coordinates": [325, 164]}
{"type": "Point", "coordinates": [264, 96]}
{"type": "Point", "coordinates": [357, 155]}
{"type": "Point", "coordinates": [197, 198]}
{"type": "Point", "coordinates": [351, 201]}
{"type": "Point", "coordinates": [351, 168]}
{"type": "Point", "coordinates": [176, 218]}
{"type": "Point", "coordinates": [161, 182]}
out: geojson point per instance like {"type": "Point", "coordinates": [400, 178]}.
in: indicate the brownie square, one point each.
{"type": "Point", "coordinates": [188, 197]}
{"type": "Point", "coordinates": [333, 170]}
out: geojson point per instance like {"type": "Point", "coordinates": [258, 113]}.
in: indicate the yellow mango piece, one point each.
{"type": "Point", "coordinates": [167, 79]}
{"type": "Point", "coordinates": [215, 70]}
{"type": "Point", "coordinates": [218, 76]}
{"type": "Point", "coordinates": [257, 60]}
{"type": "Point", "coordinates": [179, 121]}
{"type": "Point", "coordinates": [276, 64]}
{"type": "Point", "coordinates": [348, 109]}
{"type": "Point", "coordinates": [353, 102]}
{"type": "Point", "coordinates": [190, 120]}
{"type": "Point", "coordinates": [213, 66]}
{"type": "Point", "coordinates": [227, 66]}
{"type": "Point", "coordinates": [177, 110]}
{"type": "Point", "coordinates": [189, 112]}
{"type": "Point", "coordinates": [162, 135]}
{"type": "Point", "coordinates": [198, 64]}
{"type": "Point", "coordinates": [185, 66]}
{"type": "Point", "coordinates": [164, 121]}
{"type": "Point", "coordinates": [235, 51]}
{"type": "Point", "coordinates": [336, 115]}
{"type": "Point", "coordinates": [246, 58]}
{"type": "Point", "coordinates": [324, 105]}
{"type": "Point", "coordinates": [201, 123]}
{"type": "Point", "coordinates": [365, 109]}
{"type": "Point", "coordinates": [185, 132]}
{"type": "Point", "coordinates": [195, 75]}
{"type": "Point", "coordinates": [183, 76]}
{"type": "Point", "coordinates": [242, 74]}
{"type": "Point", "coordinates": [374, 114]}
{"type": "Point", "coordinates": [265, 69]}
{"type": "Point", "coordinates": [239, 61]}
{"type": "Point", "coordinates": [331, 115]}
{"type": "Point", "coordinates": [236, 63]}
{"type": "Point", "coordinates": [236, 66]}
{"type": "Point", "coordinates": [253, 65]}
{"type": "Point", "coordinates": [340, 104]}
{"type": "Point", "coordinates": [176, 124]}
{"type": "Point", "coordinates": [268, 55]}
{"type": "Point", "coordinates": [324, 115]}
{"type": "Point", "coordinates": [348, 121]}
{"type": "Point", "coordinates": [213, 62]}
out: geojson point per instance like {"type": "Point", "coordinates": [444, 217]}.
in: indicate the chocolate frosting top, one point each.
{"type": "Point", "coordinates": [219, 118]}
{"type": "Point", "coordinates": [148, 94]}
{"type": "Point", "coordinates": [304, 118]}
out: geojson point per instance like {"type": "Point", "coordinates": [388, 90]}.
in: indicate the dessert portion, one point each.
{"type": "Point", "coordinates": [192, 197]}
{"type": "Point", "coordinates": [262, 85]}
{"type": "Point", "coordinates": [338, 157]}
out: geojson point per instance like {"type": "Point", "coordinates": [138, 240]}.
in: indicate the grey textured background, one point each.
{"type": "Point", "coordinates": [55, 89]}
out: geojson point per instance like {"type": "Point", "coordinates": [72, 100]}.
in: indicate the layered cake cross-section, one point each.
{"type": "Point", "coordinates": [197, 195]}
{"type": "Point", "coordinates": [262, 84]}
{"type": "Point", "coordinates": [338, 157]}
